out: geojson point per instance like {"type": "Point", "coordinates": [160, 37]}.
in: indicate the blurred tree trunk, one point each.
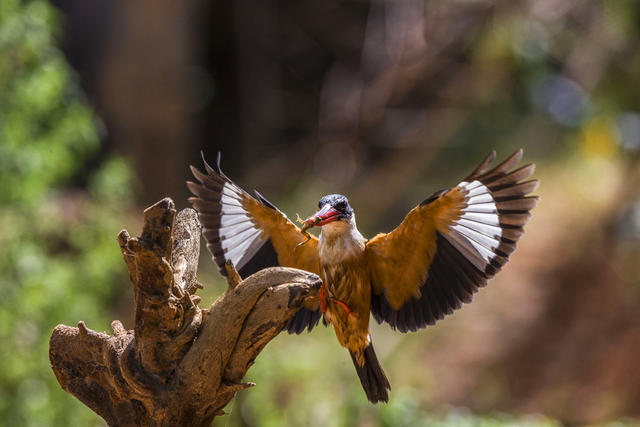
{"type": "Point", "coordinates": [147, 87]}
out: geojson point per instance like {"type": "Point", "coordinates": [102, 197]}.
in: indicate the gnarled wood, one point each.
{"type": "Point", "coordinates": [159, 373]}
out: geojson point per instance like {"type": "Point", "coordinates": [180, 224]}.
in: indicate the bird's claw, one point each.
{"type": "Point", "coordinates": [323, 297]}
{"type": "Point", "coordinates": [345, 307]}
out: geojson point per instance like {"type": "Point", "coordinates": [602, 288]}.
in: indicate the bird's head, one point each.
{"type": "Point", "coordinates": [334, 215]}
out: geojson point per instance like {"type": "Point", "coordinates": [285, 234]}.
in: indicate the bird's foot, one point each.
{"type": "Point", "coordinates": [345, 307]}
{"type": "Point", "coordinates": [322, 296]}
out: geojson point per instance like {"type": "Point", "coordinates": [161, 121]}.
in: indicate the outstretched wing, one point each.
{"type": "Point", "coordinates": [450, 245]}
{"type": "Point", "coordinates": [250, 232]}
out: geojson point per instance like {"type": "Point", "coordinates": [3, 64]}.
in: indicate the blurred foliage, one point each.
{"type": "Point", "coordinates": [59, 260]}
{"type": "Point", "coordinates": [300, 381]}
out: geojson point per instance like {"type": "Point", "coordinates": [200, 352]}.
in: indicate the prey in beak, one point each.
{"type": "Point", "coordinates": [333, 207]}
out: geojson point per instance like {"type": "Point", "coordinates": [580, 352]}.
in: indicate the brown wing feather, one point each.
{"type": "Point", "coordinates": [448, 246]}
{"type": "Point", "coordinates": [285, 237]}
{"type": "Point", "coordinates": [399, 260]}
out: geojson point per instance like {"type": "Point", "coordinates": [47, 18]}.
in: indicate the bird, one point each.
{"type": "Point", "coordinates": [443, 251]}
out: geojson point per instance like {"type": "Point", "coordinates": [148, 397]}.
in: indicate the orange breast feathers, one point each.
{"type": "Point", "coordinates": [349, 283]}
{"type": "Point", "coordinates": [399, 261]}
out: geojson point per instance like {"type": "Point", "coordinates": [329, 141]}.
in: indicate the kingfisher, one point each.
{"type": "Point", "coordinates": [444, 250]}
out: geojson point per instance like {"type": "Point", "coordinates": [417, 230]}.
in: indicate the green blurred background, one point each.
{"type": "Point", "coordinates": [103, 104]}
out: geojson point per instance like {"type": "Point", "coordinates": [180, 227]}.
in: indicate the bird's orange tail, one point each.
{"type": "Point", "coordinates": [372, 377]}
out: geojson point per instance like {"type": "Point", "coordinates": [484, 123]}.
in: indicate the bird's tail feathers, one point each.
{"type": "Point", "coordinates": [372, 377]}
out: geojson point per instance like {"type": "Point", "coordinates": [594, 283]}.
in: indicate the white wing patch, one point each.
{"type": "Point", "coordinates": [482, 208]}
{"type": "Point", "coordinates": [479, 224]}
{"type": "Point", "coordinates": [239, 237]}
{"type": "Point", "coordinates": [481, 198]}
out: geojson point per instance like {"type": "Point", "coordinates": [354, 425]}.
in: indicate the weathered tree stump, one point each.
{"type": "Point", "coordinates": [181, 364]}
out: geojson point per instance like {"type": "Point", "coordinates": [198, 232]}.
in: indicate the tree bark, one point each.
{"type": "Point", "coordinates": [181, 364]}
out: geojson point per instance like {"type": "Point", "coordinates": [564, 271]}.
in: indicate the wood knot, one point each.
{"type": "Point", "coordinates": [82, 329]}
{"type": "Point", "coordinates": [233, 277]}
{"type": "Point", "coordinates": [118, 328]}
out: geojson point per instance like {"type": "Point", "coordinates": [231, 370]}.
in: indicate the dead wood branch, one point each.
{"type": "Point", "coordinates": [181, 364]}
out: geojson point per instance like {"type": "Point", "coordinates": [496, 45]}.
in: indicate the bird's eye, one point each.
{"type": "Point", "coordinates": [341, 206]}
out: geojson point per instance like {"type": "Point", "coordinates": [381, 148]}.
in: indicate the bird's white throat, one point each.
{"type": "Point", "coordinates": [340, 240]}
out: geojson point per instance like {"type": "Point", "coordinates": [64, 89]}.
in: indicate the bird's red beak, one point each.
{"type": "Point", "coordinates": [324, 216]}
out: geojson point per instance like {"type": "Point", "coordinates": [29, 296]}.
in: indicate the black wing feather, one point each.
{"type": "Point", "coordinates": [304, 318]}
